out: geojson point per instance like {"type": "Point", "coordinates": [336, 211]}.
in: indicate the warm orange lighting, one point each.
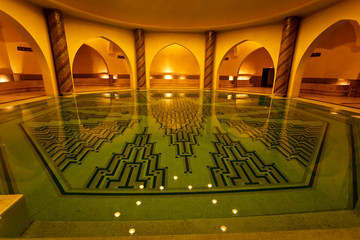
{"type": "Point", "coordinates": [115, 76]}
{"type": "Point", "coordinates": [342, 81]}
{"type": "Point", "coordinates": [131, 231]}
{"type": "Point", "coordinates": [104, 76]}
{"type": "Point", "coordinates": [4, 78]}
{"type": "Point", "coordinates": [117, 214]}
{"type": "Point", "coordinates": [168, 77]}
{"type": "Point", "coordinates": [223, 228]}
{"type": "Point", "coordinates": [168, 95]}
{"type": "Point", "coordinates": [241, 95]}
{"type": "Point", "coordinates": [229, 97]}
{"type": "Point", "coordinates": [182, 77]}
{"type": "Point", "coordinates": [243, 78]}
{"type": "Point", "coordinates": [231, 78]}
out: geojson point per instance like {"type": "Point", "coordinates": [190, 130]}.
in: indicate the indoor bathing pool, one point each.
{"type": "Point", "coordinates": [179, 162]}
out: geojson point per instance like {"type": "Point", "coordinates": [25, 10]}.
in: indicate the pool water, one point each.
{"type": "Point", "coordinates": [171, 155]}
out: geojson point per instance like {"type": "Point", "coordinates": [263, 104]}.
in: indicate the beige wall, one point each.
{"type": "Point", "coordinates": [5, 67]}
{"type": "Point", "coordinates": [110, 52]}
{"type": "Point", "coordinates": [80, 31]}
{"type": "Point", "coordinates": [88, 60]}
{"type": "Point", "coordinates": [340, 55]}
{"type": "Point", "coordinates": [194, 42]}
{"type": "Point", "coordinates": [255, 62]}
{"type": "Point", "coordinates": [31, 24]}
{"type": "Point", "coordinates": [175, 59]}
{"type": "Point", "coordinates": [311, 28]}
{"type": "Point", "coordinates": [236, 56]}
{"type": "Point", "coordinates": [250, 56]}
{"type": "Point", "coordinates": [267, 36]}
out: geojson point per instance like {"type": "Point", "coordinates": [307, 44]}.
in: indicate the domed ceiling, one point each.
{"type": "Point", "coordinates": [186, 15]}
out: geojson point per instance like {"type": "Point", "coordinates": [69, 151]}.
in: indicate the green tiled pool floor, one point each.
{"type": "Point", "coordinates": [161, 157]}
{"type": "Point", "coordinates": [261, 224]}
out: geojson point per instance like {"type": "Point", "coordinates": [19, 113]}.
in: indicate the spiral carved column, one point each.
{"type": "Point", "coordinates": [56, 30]}
{"type": "Point", "coordinates": [140, 57]}
{"type": "Point", "coordinates": [354, 89]}
{"type": "Point", "coordinates": [209, 59]}
{"type": "Point", "coordinates": [287, 47]}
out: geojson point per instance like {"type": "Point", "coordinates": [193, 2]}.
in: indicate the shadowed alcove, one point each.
{"type": "Point", "coordinates": [100, 64]}
{"type": "Point", "coordinates": [174, 67]}
{"type": "Point", "coordinates": [247, 66]}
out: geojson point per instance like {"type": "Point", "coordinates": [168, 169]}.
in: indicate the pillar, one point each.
{"type": "Point", "coordinates": [56, 30]}
{"type": "Point", "coordinates": [354, 88]}
{"type": "Point", "coordinates": [209, 59]}
{"type": "Point", "coordinates": [140, 58]}
{"type": "Point", "coordinates": [287, 47]}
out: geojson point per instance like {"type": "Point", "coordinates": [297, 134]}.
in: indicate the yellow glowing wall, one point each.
{"type": "Point", "coordinates": [175, 59]}
{"type": "Point", "coordinates": [29, 20]}
{"type": "Point", "coordinates": [88, 60]}
{"type": "Point", "coordinates": [267, 36]}
{"type": "Point", "coordinates": [109, 52]}
{"type": "Point", "coordinates": [80, 31]}
{"type": "Point", "coordinates": [311, 28]}
{"type": "Point", "coordinates": [194, 42]}
{"type": "Point", "coordinates": [254, 63]}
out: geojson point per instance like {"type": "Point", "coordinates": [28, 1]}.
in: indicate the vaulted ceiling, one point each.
{"type": "Point", "coordinates": [186, 15]}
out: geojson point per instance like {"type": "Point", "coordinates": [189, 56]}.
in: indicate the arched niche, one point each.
{"type": "Point", "coordinates": [330, 65]}
{"type": "Point", "coordinates": [100, 64]}
{"type": "Point", "coordinates": [23, 68]}
{"type": "Point", "coordinates": [247, 66]}
{"type": "Point", "coordinates": [174, 66]}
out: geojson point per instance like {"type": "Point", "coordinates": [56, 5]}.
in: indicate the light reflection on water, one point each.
{"type": "Point", "coordinates": [180, 155]}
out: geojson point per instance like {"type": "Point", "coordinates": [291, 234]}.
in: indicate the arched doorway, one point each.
{"type": "Point", "coordinates": [20, 71]}
{"type": "Point", "coordinates": [248, 67]}
{"type": "Point", "coordinates": [174, 67]}
{"type": "Point", "coordinates": [100, 65]}
{"type": "Point", "coordinates": [329, 70]}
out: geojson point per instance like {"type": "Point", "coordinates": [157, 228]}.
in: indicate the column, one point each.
{"type": "Point", "coordinates": [209, 59]}
{"type": "Point", "coordinates": [56, 30]}
{"type": "Point", "coordinates": [140, 58]}
{"type": "Point", "coordinates": [287, 47]}
{"type": "Point", "coordinates": [354, 88]}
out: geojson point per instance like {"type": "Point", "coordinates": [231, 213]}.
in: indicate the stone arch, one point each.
{"type": "Point", "coordinates": [322, 69]}
{"type": "Point", "coordinates": [245, 61]}
{"type": "Point", "coordinates": [27, 71]}
{"type": "Point", "coordinates": [174, 66]}
{"type": "Point", "coordinates": [110, 57]}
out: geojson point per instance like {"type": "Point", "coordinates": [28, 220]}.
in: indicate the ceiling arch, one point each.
{"type": "Point", "coordinates": [186, 15]}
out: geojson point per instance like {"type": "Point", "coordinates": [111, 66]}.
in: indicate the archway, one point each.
{"type": "Point", "coordinates": [329, 70]}
{"type": "Point", "coordinates": [21, 74]}
{"type": "Point", "coordinates": [247, 66]}
{"type": "Point", "coordinates": [100, 65]}
{"type": "Point", "coordinates": [174, 66]}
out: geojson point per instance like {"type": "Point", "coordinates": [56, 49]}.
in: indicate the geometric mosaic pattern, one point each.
{"type": "Point", "coordinates": [119, 143]}
{"type": "Point", "coordinates": [294, 141]}
{"type": "Point", "coordinates": [182, 120]}
{"type": "Point", "coordinates": [137, 164]}
{"type": "Point", "coordinates": [234, 165]}
{"type": "Point", "coordinates": [70, 143]}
